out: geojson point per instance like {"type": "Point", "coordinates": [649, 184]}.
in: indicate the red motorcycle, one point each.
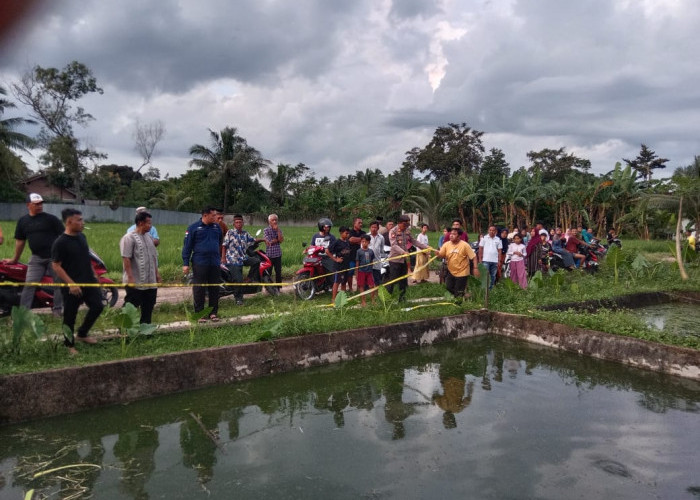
{"type": "Point", "coordinates": [43, 296]}
{"type": "Point", "coordinates": [311, 279]}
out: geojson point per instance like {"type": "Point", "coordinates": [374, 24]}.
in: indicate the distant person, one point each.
{"type": "Point", "coordinates": [503, 234]}
{"type": "Point", "coordinates": [2, 239]}
{"type": "Point", "coordinates": [489, 249]}
{"type": "Point", "coordinates": [389, 226]}
{"type": "Point", "coordinates": [71, 262]}
{"type": "Point", "coordinates": [376, 243]}
{"type": "Point", "coordinates": [355, 240]}
{"type": "Point", "coordinates": [140, 265]}
{"type": "Point", "coordinates": [457, 223]}
{"type": "Point", "coordinates": [365, 258]}
{"type": "Point", "coordinates": [421, 272]}
{"type": "Point", "coordinates": [340, 250]}
{"type": "Point", "coordinates": [517, 253]}
{"type": "Point", "coordinates": [220, 221]}
{"type": "Point", "coordinates": [273, 239]}
{"type": "Point", "coordinates": [153, 232]}
{"type": "Point", "coordinates": [324, 238]}
{"type": "Point", "coordinates": [202, 248]}
{"type": "Point", "coordinates": [40, 229]}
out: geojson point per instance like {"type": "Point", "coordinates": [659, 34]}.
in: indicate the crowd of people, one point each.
{"type": "Point", "coordinates": [355, 257]}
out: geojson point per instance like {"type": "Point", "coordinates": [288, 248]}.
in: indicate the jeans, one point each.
{"type": "Point", "coordinates": [37, 268]}
{"type": "Point", "coordinates": [492, 268]}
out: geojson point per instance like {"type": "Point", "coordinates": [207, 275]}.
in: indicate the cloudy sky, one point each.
{"type": "Point", "coordinates": [347, 85]}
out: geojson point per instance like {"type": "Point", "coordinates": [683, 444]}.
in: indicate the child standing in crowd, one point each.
{"type": "Point", "coordinates": [517, 253]}
{"type": "Point", "coordinates": [364, 259]}
{"type": "Point", "coordinates": [421, 272]}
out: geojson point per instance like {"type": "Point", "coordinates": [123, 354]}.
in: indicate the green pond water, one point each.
{"type": "Point", "coordinates": [677, 318]}
{"type": "Point", "coordinates": [484, 418]}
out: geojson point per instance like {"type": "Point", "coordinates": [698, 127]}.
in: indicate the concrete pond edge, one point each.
{"type": "Point", "coordinates": [67, 390]}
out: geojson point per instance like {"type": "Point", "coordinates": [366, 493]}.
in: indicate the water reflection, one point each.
{"type": "Point", "coordinates": [487, 415]}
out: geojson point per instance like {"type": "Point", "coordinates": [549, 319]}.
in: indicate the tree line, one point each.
{"type": "Point", "coordinates": [451, 176]}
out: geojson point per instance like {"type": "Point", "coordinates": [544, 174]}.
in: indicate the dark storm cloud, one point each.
{"type": "Point", "coordinates": [172, 46]}
{"type": "Point", "coordinates": [342, 86]}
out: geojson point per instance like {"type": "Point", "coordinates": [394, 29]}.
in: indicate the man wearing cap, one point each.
{"type": "Point", "coordinates": [40, 230]}
{"type": "Point", "coordinates": [400, 237]}
{"type": "Point", "coordinates": [153, 232]}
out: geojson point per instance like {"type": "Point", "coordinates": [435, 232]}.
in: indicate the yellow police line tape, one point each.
{"type": "Point", "coordinates": [190, 285]}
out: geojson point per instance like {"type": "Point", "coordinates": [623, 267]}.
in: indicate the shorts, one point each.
{"type": "Point", "coordinates": [365, 280]}
{"type": "Point", "coordinates": [351, 271]}
{"type": "Point", "coordinates": [341, 276]}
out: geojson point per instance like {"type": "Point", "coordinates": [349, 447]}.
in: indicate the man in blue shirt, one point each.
{"type": "Point", "coordinates": [202, 247]}
{"type": "Point", "coordinates": [153, 231]}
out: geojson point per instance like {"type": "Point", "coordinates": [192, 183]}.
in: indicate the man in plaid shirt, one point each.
{"type": "Point", "coordinates": [234, 256]}
{"type": "Point", "coordinates": [273, 238]}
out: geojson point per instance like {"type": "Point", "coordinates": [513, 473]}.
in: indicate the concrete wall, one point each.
{"type": "Point", "coordinates": [101, 213]}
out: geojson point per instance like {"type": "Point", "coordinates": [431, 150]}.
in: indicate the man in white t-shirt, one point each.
{"type": "Point", "coordinates": [489, 250]}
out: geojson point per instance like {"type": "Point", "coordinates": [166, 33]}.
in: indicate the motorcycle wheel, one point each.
{"type": "Point", "coordinates": [304, 287]}
{"type": "Point", "coordinates": [110, 296]}
{"type": "Point", "coordinates": [272, 290]}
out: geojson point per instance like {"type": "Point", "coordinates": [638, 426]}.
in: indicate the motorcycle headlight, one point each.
{"type": "Point", "coordinates": [310, 251]}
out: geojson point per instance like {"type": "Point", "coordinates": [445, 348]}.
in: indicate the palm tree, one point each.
{"type": "Point", "coordinates": [465, 195]}
{"type": "Point", "coordinates": [430, 202]}
{"type": "Point", "coordinates": [9, 137]}
{"type": "Point", "coordinates": [229, 158]}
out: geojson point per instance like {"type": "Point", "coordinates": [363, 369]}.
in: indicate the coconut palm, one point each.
{"type": "Point", "coordinates": [229, 159]}
{"type": "Point", "coordinates": [9, 136]}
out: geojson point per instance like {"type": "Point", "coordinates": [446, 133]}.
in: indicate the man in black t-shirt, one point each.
{"type": "Point", "coordinates": [355, 239]}
{"type": "Point", "coordinates": [340, 249]}
{"type": "Point", "coordinates": [40, 230]}
{"type": "Point", "coordinates": [71, 262]}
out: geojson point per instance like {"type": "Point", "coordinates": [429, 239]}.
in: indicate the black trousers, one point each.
{"type": "Point", "coordinates": [205, 275]}
{"type": "Point", "coordinates": [277, 266]}
{"type": "Point", "coordinates": [398, 268]}
{"type": "Point", "coordinates": [145, 299]}
{"type": "Point", "coordinates": [456, 285]}
{"type": "Point", "coordinates": [92, 297]}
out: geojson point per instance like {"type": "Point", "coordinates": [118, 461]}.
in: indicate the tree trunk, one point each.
{"type": "Point", "coordinates": [679, 252]}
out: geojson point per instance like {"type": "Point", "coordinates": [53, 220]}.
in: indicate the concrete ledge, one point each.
{"type": "Point", "coordinates": [55, 392]}
{"type": "Point", "coordinates": [679, 361]}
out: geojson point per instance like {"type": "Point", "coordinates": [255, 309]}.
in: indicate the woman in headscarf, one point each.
{"type": "Point", "coordinates": [502, 257]}
{"type": "Point", "coordinates": [532, 254]}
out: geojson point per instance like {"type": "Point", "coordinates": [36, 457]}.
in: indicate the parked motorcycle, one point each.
{"type": "Point", "coordinates": [227, 286]}
{"type": "Point", "coordinates": [43, 296]}
{"type": "Point", "coordinates": [311, 279]}
{"type": "Point", "coordinates": [264, 275]}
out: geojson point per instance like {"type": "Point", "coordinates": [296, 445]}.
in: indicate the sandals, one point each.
{"type": "Point", "coordinates": [212, 317]}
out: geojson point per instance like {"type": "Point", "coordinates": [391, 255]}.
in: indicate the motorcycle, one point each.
{"type": "Point", "coordinates": [43, 296]}
{"type": "Point", "coordinates": [590, 263]}
{"type": "Point", "coordinates": [228, 287]}
{"type": "Point", "coordinates": [311, 279]}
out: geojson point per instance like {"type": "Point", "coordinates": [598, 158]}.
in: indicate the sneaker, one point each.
{"type": "Point", "coordinates": [239, 302]}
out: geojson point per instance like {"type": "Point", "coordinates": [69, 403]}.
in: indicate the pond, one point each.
{"type": "Point", "coordinates": [482, 418]}
{"type": "Point", "coordinates": [674, 317]}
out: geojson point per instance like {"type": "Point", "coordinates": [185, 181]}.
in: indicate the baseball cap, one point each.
{"type": "Point", "coordinates": [35, 198]}
{"type": "Point", "coordinates": [141, 209]}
